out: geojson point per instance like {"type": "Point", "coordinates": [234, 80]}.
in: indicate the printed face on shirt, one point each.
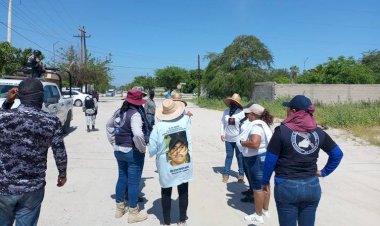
{"type": "Point", "coordinates": [231, 121]}
{"type": "Point", "coordinates": [178, 154]}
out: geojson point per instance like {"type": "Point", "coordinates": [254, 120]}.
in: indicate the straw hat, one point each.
{"type": "Point", "coordinates": [235, 99]}
{"type": "Point", "coordinates": [170, 109]}
{"type": "Point", "coordinates": [178, 97]}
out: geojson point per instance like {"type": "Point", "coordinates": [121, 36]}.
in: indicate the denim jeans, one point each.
{"type": "Point", "coordinates": [230, 147]}
{"type": "Point", "coordinates": [297, 200]}
{"type": "Point", "coordinates": [130, 169]}
{"type": "Point", "coordinates": [255, 167]}
{"type": "Point", "coordinates": [150, 119]}
{"type": "Point", "coordinates": [25, 208]}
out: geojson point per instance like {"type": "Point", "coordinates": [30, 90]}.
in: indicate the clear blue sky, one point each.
{"type": "Point", "coordinates": [146, 35]}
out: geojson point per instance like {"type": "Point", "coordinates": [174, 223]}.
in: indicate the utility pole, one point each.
{"type": "Point", "coordinates": [9, 38]}
{"type": "Point", "coordinates": [199, 77]}
{"type": "Point", "coordinates": [305, 63]}
{"type": "Point", "coordinates": [54, 52]}
{"type": "Point", "coordinates": [83, 50]}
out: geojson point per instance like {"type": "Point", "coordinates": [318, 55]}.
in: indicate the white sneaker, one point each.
{"type": "Point", "coordinates": [254, 218]}
{"type": "Point", "coordinates": [266, 213]}
{"type": "Point", "coordinates": [183, 223]}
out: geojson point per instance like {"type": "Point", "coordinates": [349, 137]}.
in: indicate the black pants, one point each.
{"type": "Point", "coordinates": [166, 201]}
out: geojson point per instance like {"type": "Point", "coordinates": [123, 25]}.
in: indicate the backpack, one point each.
{"type": "Point", "coordinates": [89, 103]}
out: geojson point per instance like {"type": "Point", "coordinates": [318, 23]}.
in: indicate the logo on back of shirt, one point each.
{"type": "Point", "coordinates": [305, 143]}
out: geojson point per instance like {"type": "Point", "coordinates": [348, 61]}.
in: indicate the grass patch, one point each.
{"type": "Point", "coordinates": [361, 119]}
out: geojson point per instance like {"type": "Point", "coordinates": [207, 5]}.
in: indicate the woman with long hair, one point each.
{"type": "Point", "coordinates": [127, 131]}
{"type": "Point", "coordinates": [254, 147]}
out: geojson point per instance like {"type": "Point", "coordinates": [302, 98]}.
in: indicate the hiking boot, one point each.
{"type": "Point", "coordinates": [183, 223]}
{"type": "Point", "coordinates": [120, 209]}
{"type": "Point", "coordinates": [256, 219]}
{"type": "Point", "coordinates": [241, 179]}
{"type": "Point", "coordinates": [225, 178]}
{"type": "Point", "coordinates": [136, 216]}
{"type": "Point", "coordinates": [93, 127]}
{"type": "Point", "coordinates": [88, 128]}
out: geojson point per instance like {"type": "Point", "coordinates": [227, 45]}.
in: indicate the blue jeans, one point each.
{"type": "Point", "coordinates": [230, 147]}
{"type": "Point", "coordinates": [25, 208]}
{"type": "Point", "coordinates": [297, 200]}
{"type": "Point", "coordinates": [130, 169]}
{"type": "Point", "coordinates": [255, 167]}
{"type": "Point", "coordinates": [150, 119]}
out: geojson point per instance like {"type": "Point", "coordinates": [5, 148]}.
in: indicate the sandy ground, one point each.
{"type": "Point", "coordinates": [351, 195]}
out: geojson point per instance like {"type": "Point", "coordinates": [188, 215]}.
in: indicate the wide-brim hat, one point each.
{"type": "Point", "coordinates": [135, 97]}
{"type": "Point", "coordinates": [178, 97]}
{"type": "Point", "coordinates": [235, 98]}
{"type": "Point", "coordinates": [170, 109]}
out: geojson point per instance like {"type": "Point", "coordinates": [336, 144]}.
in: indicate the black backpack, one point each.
{"type": "Point", "coordinates": [89, 103]}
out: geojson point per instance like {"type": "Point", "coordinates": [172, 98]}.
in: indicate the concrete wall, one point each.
{"type": "Point", "coordinates": [323, 93]}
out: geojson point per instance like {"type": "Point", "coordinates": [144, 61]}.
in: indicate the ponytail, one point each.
{"type": "Point", "coordinates": [267, 117]}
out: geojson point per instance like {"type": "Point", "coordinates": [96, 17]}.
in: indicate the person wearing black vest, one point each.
{"type": "Point", "coordinates": [127, 131]}
{"type": "Point", "coordinates": [90, 108]}
{"type": "Point", "coordinates": [292, 153]}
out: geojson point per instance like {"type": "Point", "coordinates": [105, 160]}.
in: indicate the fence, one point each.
{"type": "Point", "coordinates": [322, 93]}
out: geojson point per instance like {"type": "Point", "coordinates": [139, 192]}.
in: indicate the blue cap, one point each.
{"type": "Point", "coordinates": [299, 102]}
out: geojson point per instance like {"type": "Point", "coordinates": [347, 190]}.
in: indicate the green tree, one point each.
{"type": "Point", "coordinates": [95, 72]}
{"type": "Point", "coordinates": [148, 82]}
{"type": "Point", "coordinates": [281, 76]}
{"type": "Point", "coordinates": [241, 64]}
{"type": "Point", "coordinates": [170, 77]}
{"type": "Point", "coordinates": [12, 59]}
{"type": "Point", "coordinates": [293, 73]}
{"type": "Point", "coordinates": [371, 60]}
{"type": "Point", "coordinates": [339, 71]}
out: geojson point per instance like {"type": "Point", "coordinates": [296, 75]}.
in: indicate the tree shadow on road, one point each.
{"type": "Point", "coordinates": [156, 210]}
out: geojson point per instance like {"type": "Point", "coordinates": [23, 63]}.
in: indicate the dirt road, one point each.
{"type": "Point", "coordinates": [351, 195]}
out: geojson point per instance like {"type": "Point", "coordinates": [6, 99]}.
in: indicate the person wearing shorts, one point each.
{"type": "Point", "coordinates": [254, 151]}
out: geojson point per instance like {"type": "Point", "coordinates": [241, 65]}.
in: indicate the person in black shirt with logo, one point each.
{"type": "Point", "coordinates": [292, 153]}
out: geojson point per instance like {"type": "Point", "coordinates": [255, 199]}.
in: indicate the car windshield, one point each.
{"type": "Point", "coordinates": [4, 90]}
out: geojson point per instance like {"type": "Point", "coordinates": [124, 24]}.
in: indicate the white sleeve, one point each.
{"type": "Point", "coordinates": [138, 135]}
{"type": "Point", "coordinates": [110, 130]}
{"type": "Point", "coordinates": [257, 130]}
{"type": "Point", "coordinates": [223, 124]}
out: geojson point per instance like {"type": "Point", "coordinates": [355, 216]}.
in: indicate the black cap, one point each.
{"type": "Point", "coordinates": [299, 102]}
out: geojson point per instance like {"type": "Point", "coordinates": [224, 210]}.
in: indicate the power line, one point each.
{"type": "Point", "coordinates": [26, 38]}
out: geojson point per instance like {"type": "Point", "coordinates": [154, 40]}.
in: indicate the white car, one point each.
{"type": "Point", "coordinates": [78, 97]}
{"type": "Point", "coordinates": [54, 102]}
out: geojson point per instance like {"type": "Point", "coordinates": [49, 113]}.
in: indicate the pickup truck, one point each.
{"type": "Point", "coordinates": [54, 102]}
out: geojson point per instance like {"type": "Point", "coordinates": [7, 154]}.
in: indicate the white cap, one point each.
{"type": "Point", "coordinates": [255, 108]}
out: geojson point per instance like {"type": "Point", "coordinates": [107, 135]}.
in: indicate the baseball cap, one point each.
{"type": "Point", "coordinates": [298, 102]}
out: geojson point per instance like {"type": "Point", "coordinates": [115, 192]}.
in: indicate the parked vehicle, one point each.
{"type": "Point", "coordinates": [110, 93]}
{"type": "Point", "coordinates": [78, 97]}
{"type": "Point", "coordinates": [54, 102]}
